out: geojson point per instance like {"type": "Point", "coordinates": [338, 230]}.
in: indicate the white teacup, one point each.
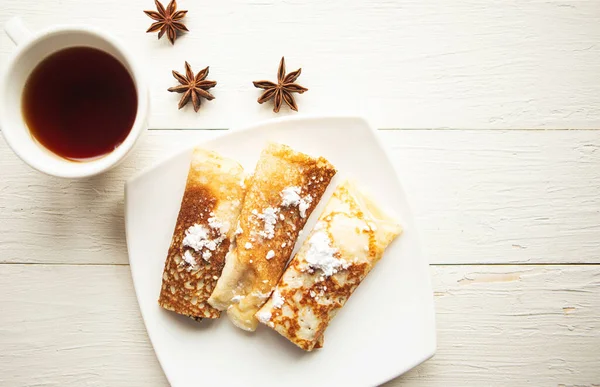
{"type": "Point", "coordinates": [32, 48]}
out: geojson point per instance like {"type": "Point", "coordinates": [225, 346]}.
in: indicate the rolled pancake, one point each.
{"type": "Point", "coordinates": [348, 240]}
{"type": "Point", "coordinates": [286, 187]}
{"type": "Point", "coordinates": [204, 232]}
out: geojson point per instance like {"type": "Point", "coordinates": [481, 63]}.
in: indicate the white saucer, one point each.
{"type": "Point", "coordinates": [386, 328]}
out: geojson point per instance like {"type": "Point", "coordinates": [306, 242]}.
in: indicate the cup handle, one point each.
{"type": "Point", "coordinates": [16, 30]}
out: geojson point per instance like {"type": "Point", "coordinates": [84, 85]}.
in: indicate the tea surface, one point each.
{"type": "Point", "coordinates": [80, 103]}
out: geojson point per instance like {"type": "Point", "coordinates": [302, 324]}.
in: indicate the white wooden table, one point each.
{"type": "Point", "coordinates": [472, 97]}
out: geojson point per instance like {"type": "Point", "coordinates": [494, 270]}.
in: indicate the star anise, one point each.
{"type": "Point", "coordinates": [282, 90]}
{"type": "Point", "coordinates": [193, 87]}
{"type": "Point", "coordinates": [167, 20]}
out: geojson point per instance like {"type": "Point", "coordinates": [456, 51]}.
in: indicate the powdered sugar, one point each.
{"type": "Point", "coordinates": [321, 255]}
{"type": "Point", "coordinates": [197, 237]}
{"type": "Point", "coordinates": [270, 254]}
{"type": "Point", "coordinates": [278, 299]}
{"type": "Point", "coordinates": [263, 316]}
{"type": "Point", "coordinates": [216, 224]}
{"type": "Point", "coordinates": [304, 205]}
{"type": "Point", "coordinates": [290, 197]}
{"type": "Point", "coordinates": [269, 216]}
{"type": "Point", "coordinates": [189, 259]}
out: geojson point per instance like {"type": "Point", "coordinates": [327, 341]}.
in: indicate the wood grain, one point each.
{"type": "Point", "coordinates": [514, 326]}
{"type": "Point", "coordinates": [65, 325]}
{"type": "Point", "coordinates": [69, 315]}
{"type": "Point", "coordinates": [478, 196]}
{"type": "Point", "coordinates": [416, 64]}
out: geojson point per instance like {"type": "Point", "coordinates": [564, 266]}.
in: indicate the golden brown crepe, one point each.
{"type": "Point", "coordinates": [286, 187]}
{"type": "Point", "coordinates": [204, 232]}
{"type": "Point", "coordinates": [348, 240]}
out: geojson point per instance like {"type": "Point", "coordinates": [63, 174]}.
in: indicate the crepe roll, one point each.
{"type": "Point", "coordinates": [286, 187]}
{"type": "Point", "coordinates": [203, 235]}
{"type": "Point", "coordinates": [349, 238]}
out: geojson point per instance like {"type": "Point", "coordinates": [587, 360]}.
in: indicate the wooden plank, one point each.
{"type": "Point", "coordinates": [73, 326]}
{"type": "Point", "coordinates": [65, 325]}
{"type": "Point", "coordinates": [416, 64]}
{"type": "Point", "coordinates": [514, 326]}
{"type": "Point", "coordinates": [478, 196]}
{"type": "Point", "coordinates": [503, 197]}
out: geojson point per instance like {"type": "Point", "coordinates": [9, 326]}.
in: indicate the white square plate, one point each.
{"type": "Point", "coordinates": [386, 328]}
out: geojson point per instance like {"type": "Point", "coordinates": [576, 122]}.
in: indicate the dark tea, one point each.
{"type": "Point", "coordinates": [80, 103]}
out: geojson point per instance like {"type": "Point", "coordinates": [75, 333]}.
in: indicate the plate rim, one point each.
{"type": "Point", "coordinates": [428, 353]}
